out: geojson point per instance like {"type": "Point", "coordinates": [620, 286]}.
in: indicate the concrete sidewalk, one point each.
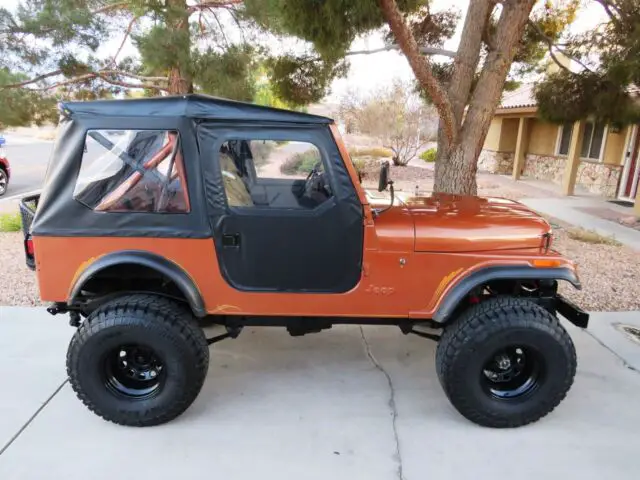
{"type": "Point", "coordinates": [315, 407]}
{"type": "Point", "coordinates": [568, 210]}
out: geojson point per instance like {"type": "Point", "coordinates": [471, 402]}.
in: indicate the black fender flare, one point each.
{"type": "Point", "coordinates": [156, 262]}
{"type": "Point", "coordinates": [480, 277]}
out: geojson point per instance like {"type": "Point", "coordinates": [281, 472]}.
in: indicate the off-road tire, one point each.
{"type": "Point", "coordinates": [159, 323]}
{"type": "Point", "coordinates": [4, 181]}
{"type": "Point", "coordinates": [472, 339]}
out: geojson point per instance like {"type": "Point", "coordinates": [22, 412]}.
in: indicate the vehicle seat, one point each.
{"type": "Point", "coordinates": [238, 194]}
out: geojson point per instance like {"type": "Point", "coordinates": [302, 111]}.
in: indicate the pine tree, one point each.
{"type": "Point", "coordinates": [605, 82]}
{"type": "Point", "coordinates": [53, 49]}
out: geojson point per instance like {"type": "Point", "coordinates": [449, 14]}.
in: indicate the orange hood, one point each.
{"type": "Point", "coordinates": [450, 223]}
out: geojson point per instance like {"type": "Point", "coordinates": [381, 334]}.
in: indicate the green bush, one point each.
{"type": "Point", "coordinates": [429, 155]}
{"type": "Point", "coordinates": [260, 150]}
{"type": "Point", "coordinates": [376, 152]}
{"type": "Point", "coordinates": [300, 163]}
{"type": "Point", "coordinates": [10, 222]}
{"type": "Point", "coordinates": [360, 166]}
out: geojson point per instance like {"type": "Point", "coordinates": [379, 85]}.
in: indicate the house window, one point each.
{"type": "Point", "coordinates": [592, 140]}
{"type": "Point", "coordinates": [564, 138]}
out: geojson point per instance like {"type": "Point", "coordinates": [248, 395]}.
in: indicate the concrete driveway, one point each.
{"type": "Point", "coordinates": [316, 407]}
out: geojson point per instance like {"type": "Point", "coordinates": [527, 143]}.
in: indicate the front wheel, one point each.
{"type": "Point", "coordinates": [139, 360]}
{"type": "Point", "coordinates": [506, 362]}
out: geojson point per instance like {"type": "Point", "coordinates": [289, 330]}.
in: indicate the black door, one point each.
{"type": "Point", "coordinates": [291, 220]}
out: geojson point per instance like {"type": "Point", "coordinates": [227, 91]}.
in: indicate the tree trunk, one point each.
{"type": "Point", "coordinates": [456, 172]}
{"type": "Point", "coordinates": [457, 164]}
{"type": "Point", "coordinates": [179, 82]}
{"type": "Point", "coordinates": [177, 18]}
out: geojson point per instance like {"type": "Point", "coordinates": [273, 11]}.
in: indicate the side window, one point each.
{"type": "Point", "coordinates": [275, 174]}
{"type": "Point", "coordinates": [564, 138]}
{"type": "Point", "coordinates": [132, 171]}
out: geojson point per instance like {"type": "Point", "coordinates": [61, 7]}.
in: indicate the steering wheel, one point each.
{"type": "Point", "coordinates": [314, 183]}
{"type": "Point", "coordinates": [315, 171]}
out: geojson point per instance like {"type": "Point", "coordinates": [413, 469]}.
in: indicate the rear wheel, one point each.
{"type": "Point", "coordinates": [506, 362]}
{"type": "Point", "coordinates": [140, 360]}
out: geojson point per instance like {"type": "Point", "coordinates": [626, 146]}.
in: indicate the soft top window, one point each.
{"type": "Point", "coordinates": [273, 174]}
{"type": "Point", "coordinates": [132, 171]}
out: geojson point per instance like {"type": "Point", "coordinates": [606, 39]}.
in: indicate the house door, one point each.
{"type": "Point", "coordinates": [631, 175]}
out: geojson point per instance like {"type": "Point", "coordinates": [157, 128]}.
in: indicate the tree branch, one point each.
{"type": "Point", "coordinates": [423, 50]}
{"type": "Point", "coordinates": [486, 95]}
{"type": "Point", "coordinates": [132, 75]}
{"type": "Point", "coordinates": [110, 8]}
{"type": "Point", "coordinates": [420, 66]}
{"type": "Point", "coordinates": [226, 41]}
{"type": "Point", "coordinates": [608, 5]}
{"type": "Point", "coordinates": [124, 40]}
{"type": "Point", "coordinates": [212, 4]}
{"type": "Point", "coordinates": [102, 74]}
{"type": "Point", "coordinates": [121, 83]}
{"type": "Point", "coordinates": [487, 38]}
{"type": "Point", "coordinates": [95, 75]}
{"type": "Point", "coordinates": [78, 79]}
{"type": "Point", "coordinates": [551, 44]}
{"type": "Point", "coordinates": [33, 80]}
{"type": "Point", "coordinates": [466, 62]}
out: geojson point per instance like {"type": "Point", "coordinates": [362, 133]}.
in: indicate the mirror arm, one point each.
{"type": "Point", "coordinates": [377, 212]}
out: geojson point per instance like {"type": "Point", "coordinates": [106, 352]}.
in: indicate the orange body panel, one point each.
{"type": "Point", "coordinates": [414, 253]}
{"type": "Point", "coordinates": [393, 283]}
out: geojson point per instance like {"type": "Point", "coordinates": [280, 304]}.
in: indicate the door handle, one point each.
{"type": "Point", "coordinates": [231, 240]}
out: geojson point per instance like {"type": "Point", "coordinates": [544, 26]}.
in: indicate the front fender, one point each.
{"type": "Point", "coordinates": [481, 277]}
{"type": "Point", "coordinates": [160, 264]}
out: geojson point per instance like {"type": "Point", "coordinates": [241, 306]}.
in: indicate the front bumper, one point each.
{"type": "Point", "coordinates": [572, 312]}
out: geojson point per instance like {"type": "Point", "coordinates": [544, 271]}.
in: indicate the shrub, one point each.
{"type": "Point", "coordinates": [300, 163]}
{"type": "Point", "coordinates": [376, 152]}
{"type": "Point", "coordinates": [260, 150]}
{"type": "Point", "coordinates": [591, 236]}
{"type": "Point", "coordinates": [360, 166]}
{"type": "Point", "coordinates": [429, 155]}
{"type": "Point", "coordinates": [10, 222]}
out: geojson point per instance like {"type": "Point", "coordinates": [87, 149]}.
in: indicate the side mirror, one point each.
{"type": "Point", "coordinates": [383, 183]}
{"type": "Point", "coordinates": [383, 178]}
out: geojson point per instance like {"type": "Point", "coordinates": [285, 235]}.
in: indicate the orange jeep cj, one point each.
{"type": "Point", "coordinates": [159, 216]}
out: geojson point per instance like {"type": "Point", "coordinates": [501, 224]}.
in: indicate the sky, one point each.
{"type": "Point", "coordinates": [370, 72]}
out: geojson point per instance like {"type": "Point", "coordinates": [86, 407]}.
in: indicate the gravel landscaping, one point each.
{"type": "Point", "coordinates": [609, 274]}
{"type": "Point", "coordinates": [17, 283]}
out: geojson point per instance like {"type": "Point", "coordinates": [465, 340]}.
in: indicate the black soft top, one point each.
{"type": "Point", "coordinates": [194, 106]}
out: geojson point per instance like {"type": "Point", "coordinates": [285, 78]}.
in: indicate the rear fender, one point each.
{"type": "Point", "coordinates": [482, 277]}
{"type": "Point", "coordinates": [155, 262]}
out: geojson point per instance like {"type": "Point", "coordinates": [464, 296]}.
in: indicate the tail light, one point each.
{"type": "Point", "coordinates": [28, 244]}
{"type": "Point", "coordinates": [30, 252]}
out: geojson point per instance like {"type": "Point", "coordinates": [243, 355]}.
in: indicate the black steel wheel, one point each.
{"type": "Point", "coordinates": [4, 181]}
{"type": "Point", "coordinates": [505, 362]}
{"type": "Point", "coordinates": [133, 371]}
{"type": "Point", "coordinates": [139, 360]}
{"type": "Point", "coordinates": [513, 371]}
